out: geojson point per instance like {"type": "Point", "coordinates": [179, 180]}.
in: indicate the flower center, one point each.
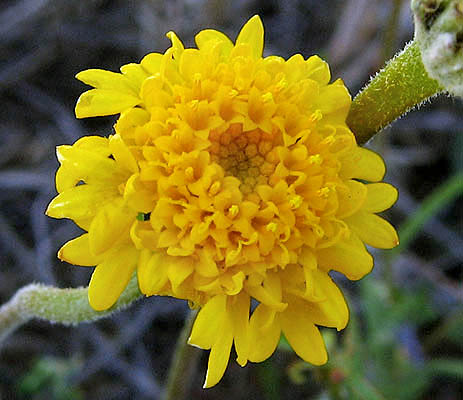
{"type": "Point", "coordinates": [249, 156]}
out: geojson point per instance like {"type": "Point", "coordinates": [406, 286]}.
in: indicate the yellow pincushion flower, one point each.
{"type": "Point", "coordinates": [230, 177]}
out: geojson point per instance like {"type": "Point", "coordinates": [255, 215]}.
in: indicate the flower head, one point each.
{"type": "Point", "coordinates": [229, 177]}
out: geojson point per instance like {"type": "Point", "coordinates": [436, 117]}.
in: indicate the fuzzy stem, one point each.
{"type": "Point", "coordinates": [65, 306]}
{"type": "Point", "coordinates": [183, 363]}
{"type": "Point", "coordinates": [400, 86]}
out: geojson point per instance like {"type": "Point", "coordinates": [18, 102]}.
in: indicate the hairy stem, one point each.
{"type": "Point", "coordinates": [400, 86]}
{"type": "Point", "coordinates": [65, 306]}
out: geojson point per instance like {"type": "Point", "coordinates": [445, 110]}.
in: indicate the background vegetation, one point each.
{"type": "Point", "coordinates": [405, 338]}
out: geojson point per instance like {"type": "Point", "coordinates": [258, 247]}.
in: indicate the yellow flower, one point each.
{"type": "Point", "coordinates": [230, 178]}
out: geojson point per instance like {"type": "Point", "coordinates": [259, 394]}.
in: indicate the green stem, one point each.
{"type": "Point", "coordinates": [183, 363]}
{"type": "Point", "coordinates": [438, 335]}
{"type": "Point", "coordinates": [443, 195]}
{"type": "Point", "coordinates": [65, 306]}
{"type": "Point", "coordinates": [400, 86]}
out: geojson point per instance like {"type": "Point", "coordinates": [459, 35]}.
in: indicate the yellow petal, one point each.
{"type": "Point", "coordinates": [252, 33]}
{"type": "Point", "coordinates": [77, 165]}
{"type": "Point", "coordinates": [380, 196]}
{"type": "Point", "coordinates": [220, 354]}
{"type": "Point", "coordinates": [309, 265]}
{"type": "Point", "coordinates": [84, 223]}
{"type": "Point", "coordinates": [207, 38]}
{"type": "Point", "coordinates": [77, 252]}
{"type": "Point", "coordinates": [79, 202]}
{"type": "Point", "coordinates": [122, 154]}
{"type": "Point", "coordinates": [303, 336]}
{"type": "Point", "coordinates": [232, 283]}
{"type": "Point", "coordinates": [178, 269]}
{"type": "Point", "coordinates": [109, 224]}
{"type": "Point", "coordinates": [66, 178]}
{"type": "Point", "coordinates": [191, 63]}
{"type": "Point", "coordinates": [207, 266]}
{"type": "Point", "coordinates": [135, 74]}
{"type": "Point", "coordinates": [348, 256]}
{"type": "Point", "coordinates": [137, 196]}
{"type": "Point", "coordinates": [99, 102]}
{"type": "Point", "coordinates": [239, 313]}
{"type": "Point", "coordinates": [130, 119]}
{"type": "Point", "coordinates": [334, 98]}
{"type": "Point", "coordinates": [151, 272]}
{"type": "Point", "coordinates": [332, 311]}
{"type": "Point", "coordinates": [373, 230]}
{"type": "Point", "coordinates": [207, 325]}
{"type": "Point", "coordinates": [111, 277]}
{"type": "Point", "coordinates": [351, 198]}
{"type": "Point", "coordinates": [101, 79]}
{"type": "Point", "coordinates": [96, 144]}
{"type": "Point", "coordinates": [307, 258]}
{"type": "Point", "coordinates": [152, 94]}
{"type": "Point", "coordinates": [90, 166]}
{"type": "Point", "coordinates": [362, 163]}
{"type": "Point", "coordinates": [151, 63]}
{"type": "Point", "coordinates": [177, 44]}
{"type": "Point", "coordinates": [143, 260]}
{"type": "Point", "coordinates": [266, 296]}
{"type": "Point", "coordinates": [318, 70]}
{"type": "Point", "coordinates": [264, 341]}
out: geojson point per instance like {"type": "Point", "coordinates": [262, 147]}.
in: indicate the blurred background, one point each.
{"type": "Point", "coordinates": [405, 338]}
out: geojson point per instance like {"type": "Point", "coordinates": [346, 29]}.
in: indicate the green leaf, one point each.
{"type": "Point", "coordinates": [446, 367]}
{"type": "Point", "coordinates": [445, 194]}
{"type": "Point", "coordinates": [284, 345]}
{"type": "Point", "coordinates": [362, 389]}
{"type": "Point", "coordinates": [269, 376]}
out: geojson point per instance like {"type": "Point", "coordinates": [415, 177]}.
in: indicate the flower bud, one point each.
{"type": "Point", "coordinates": [439, 33]}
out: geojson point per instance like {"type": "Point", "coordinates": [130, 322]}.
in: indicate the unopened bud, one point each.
{"type": "Point", "coordinates": [439, 33]}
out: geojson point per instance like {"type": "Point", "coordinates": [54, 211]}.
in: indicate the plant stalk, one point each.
{"type": "Point", "coordinates": [183, 364]}
{"type": "Point", "coordinates": [400, 86]}
{"type": "Point", "coordinates": [65, 306]}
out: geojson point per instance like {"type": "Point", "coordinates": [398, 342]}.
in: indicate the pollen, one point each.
{"type": "Point", "coordinates": [282, 84]}
{"type": "Point", "coordinates": [215, 187]}
{"type": "Point", "coordinates": [315, 159]}
{"type": "Point", "coordinates": [267, 97]}
{"type": "Point", "coordinates": [316, 116]}
{"type": "Point", "coordinates": [189, 173]}
{"type": "Point", "coordinates": [323, 192]}
{"type": "Point", "coordinates": [295, 201]}
{"type": "Point", "coordinates": [271, 227]}
{"type": "Point", "coordinates": [234, 210]}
